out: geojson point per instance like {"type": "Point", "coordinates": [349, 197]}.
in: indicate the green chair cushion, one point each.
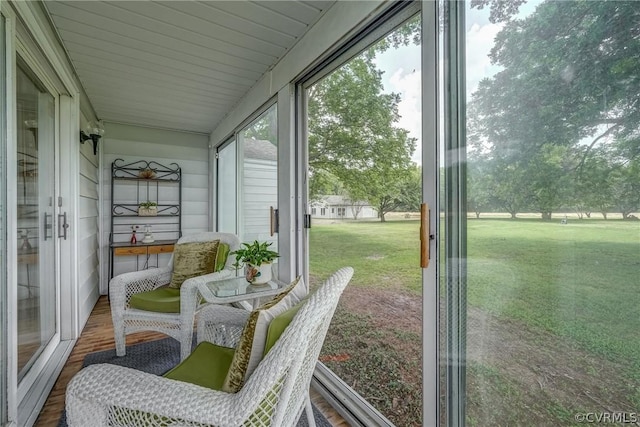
{"type": "Point", "coordinates": [206, 366]}
{"type": "Point", "coordinates": [160, 300]}
{"type": "Point", "coordinates": [167, 299]}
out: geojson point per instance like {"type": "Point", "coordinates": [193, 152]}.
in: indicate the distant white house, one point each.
{"type": "Point", "coordinates": [341, 207]}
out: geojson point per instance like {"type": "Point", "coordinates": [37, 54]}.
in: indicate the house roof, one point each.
{"type": "Point", "coordinates": [178, 65]}
{"type": "Point", "coordinates": [260, 149]}
{"type": "Point", "coordinates": [339, 200]}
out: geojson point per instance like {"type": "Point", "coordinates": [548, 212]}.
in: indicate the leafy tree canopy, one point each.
{"type": "Point", "coordinates": [570, 73]}
{"type": "Point", "coordinates": [353, 135]}
{"type": "Point", "coordinates": [565, 103]}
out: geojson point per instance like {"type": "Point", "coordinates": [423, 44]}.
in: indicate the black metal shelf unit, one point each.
{"type": "Point", "coordinates": [138, 182]}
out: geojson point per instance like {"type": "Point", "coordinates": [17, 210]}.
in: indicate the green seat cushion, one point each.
{"type": "Point", "coordinates": [167, 299]}
{"type": "Point", "coordinates": [206, 366]}
{"type": "Point", "coordinates": [161, 300]}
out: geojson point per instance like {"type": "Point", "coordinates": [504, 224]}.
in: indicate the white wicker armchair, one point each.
{"type": "Point", "coordinates": [127, 320]}
{"type": "Point", "coordinates": [274, 395]}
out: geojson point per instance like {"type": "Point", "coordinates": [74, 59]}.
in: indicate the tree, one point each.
{"type": "Point", "coordinates": [509, 186]}
{"type": "Point", "coordinates": [352, 133]}
{"type": "Point", "coordinates": [592, 183]}
{"type": "Point", "coordinates": [410, 190]}
{"type": "Point", "coordinates": [265, 127]}
{"type": "Point", "coordinates": [625, 186]}
{"type": "Point", "coordinates": [479, 194]}
{"type": "Point", "coordinates": [549, 174]}
{"type": "Point", "coordinates": [568, 79]}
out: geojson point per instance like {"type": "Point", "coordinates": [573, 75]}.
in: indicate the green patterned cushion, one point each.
{"type": "Point", "coordinates": [193, 259]}
{"type": "Point", "coordinates": [251, 345]}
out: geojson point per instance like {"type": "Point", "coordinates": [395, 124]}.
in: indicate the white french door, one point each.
{"type": "Point", "coordinates": [38, 227]}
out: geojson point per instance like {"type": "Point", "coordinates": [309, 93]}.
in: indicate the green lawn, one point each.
{"type": "Point", "coordinates": [577, 281]}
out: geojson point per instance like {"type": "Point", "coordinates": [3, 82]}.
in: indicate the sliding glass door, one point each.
{"type": "Point", "coordinates": [226, 187]}
{"type": "Point", "coordinates": [35, 189]}
{"type": "Point", "coordinates": [363, 128]}
{"type": "Point", "coordinates": [542, 194]}
{"type": "Point", "coordinates": [247, 180]}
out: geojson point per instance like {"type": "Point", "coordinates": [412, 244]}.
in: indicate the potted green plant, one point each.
{"type": "Point", "coordinates": [148, 208]}
{"type": "Point", "coordinates": [257, 258]}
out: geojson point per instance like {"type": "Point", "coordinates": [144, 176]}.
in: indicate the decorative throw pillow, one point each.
{"type": "Point", "coordinates": [251, 346]}
{"type": "Point", "coordinates": [222, 255]}
{"type": "Point", "coordinates": [193, 259]}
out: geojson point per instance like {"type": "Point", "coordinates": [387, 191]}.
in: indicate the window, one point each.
{"type": "Point", "coordinates": [341, 211]}
{"type": "Point", "coordinates": [247, 179]}
{"type": "Point", "coordinates": [546, 310]}
{"type": "Point", "coordinates": [258, 143]}
{"type": "Point", "coordinates": [313, 211]}
{"type": "Point", "coordinates": [323, 211]}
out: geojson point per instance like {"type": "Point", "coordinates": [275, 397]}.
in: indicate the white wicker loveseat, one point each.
{"type": "Point", "coordinates": [179, 325]}
{"type": "Point", "coordinates": [274, 395]}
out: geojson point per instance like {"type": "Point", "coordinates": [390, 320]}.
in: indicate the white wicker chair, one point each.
{"type": "Point", "coordinates": [274, 395]}
{"type": "Point", "coordinates": [127, 320]}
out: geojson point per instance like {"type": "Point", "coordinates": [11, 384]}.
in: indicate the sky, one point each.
{"type": "Point", "coordinates": [402, 68]}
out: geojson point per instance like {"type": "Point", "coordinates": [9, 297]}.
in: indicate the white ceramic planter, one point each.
{"type": "Point", "coordinates": [258, 275]}
{"type": "Point", "coordinates": [152, 211]}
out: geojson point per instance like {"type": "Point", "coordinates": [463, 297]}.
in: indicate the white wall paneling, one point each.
{"type": "Point", "coordinates": [88, 227]}
{"type": "Point", "coordinates": [132, 143]}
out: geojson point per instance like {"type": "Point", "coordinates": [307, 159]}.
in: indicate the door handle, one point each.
{"type": "Point", "coordinates": [47, 226]}
{"type": "Point", "coordinates": [62, 225]}
{"type": "Point", "coordinates": [273, 221]}
{"type": "Point", "coordinates": [425, 236]}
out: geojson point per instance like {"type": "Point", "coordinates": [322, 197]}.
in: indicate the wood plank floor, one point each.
{"type": "Point", "coordinates": [97, 336]}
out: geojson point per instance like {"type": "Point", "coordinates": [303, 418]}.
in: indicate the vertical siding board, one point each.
{"type": "Point", "coordinates": [88, 230]}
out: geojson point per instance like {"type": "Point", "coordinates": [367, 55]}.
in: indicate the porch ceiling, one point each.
{"type": "Point", "coordinates": [176, 64]}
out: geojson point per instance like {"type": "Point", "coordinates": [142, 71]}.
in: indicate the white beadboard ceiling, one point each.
{"type": "Point", "coordinates": [176, 64]}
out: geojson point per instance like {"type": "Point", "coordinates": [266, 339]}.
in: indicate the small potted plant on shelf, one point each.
{"type": "Point", "coordinates": [257, 259]}
{"type": "Point", "coordinates": [148, 208]}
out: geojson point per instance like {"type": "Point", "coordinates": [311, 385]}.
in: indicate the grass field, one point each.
{"type": "Point", "coordinates": [576, 284]}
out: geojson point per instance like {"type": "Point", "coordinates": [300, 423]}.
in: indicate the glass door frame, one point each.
{"type": "Point", "coordinates": [27, 381]}
{"type": "Point", "coordinates": [25, 38]}
{"type": "Point", "coordinates": [4, 336]}
{"type": "Point", "coordinates": [229, 143]}
{"type": "Point", "coordinates": [359, 411]}
{"type": "Point", "coordinates": [234, 138]}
